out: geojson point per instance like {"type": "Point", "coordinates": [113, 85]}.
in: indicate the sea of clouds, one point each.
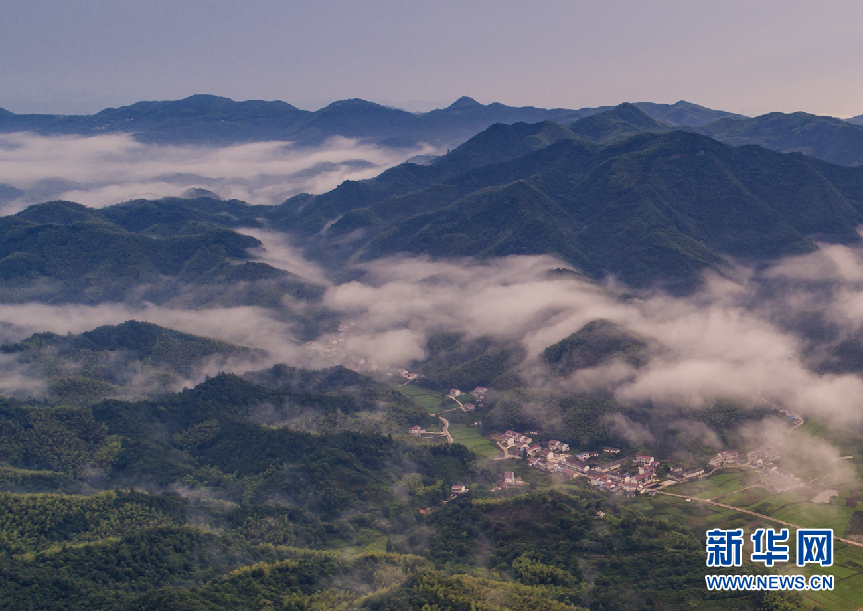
{"type": "Point", "coordinates": [737, 337]}
{"type": "Point", "coordinates": [103, 170]}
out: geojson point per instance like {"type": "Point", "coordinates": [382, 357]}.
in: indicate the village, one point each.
{"type": "Point", "coordinates": [607, 468]}
{"type": "Point", "coordinates": [627, 474]}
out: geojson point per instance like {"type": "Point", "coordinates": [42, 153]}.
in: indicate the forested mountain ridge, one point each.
{"type": "Point", "coordinates": [825, 138]}
{"type": "Point", "coordinates": [64, 252]}
{"type": "Point", "coordinates": [208, 119]}
{"type": "Point", "coordinates": [617, 124]}
{"type": "Point", "coordinates": [130, 360]}
{"type": "Point", "coordinates": [652, 207]}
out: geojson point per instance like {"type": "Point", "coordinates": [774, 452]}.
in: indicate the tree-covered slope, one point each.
{"type": "Point", "coordinates": [94, 259]}
{"type": "Point", "coordinates": [245, 511]}
{"type": "Point", "coordinates": [595, 343]}
{"type": "Point", "coordinates": [824, 138]}
{"type": "Point", "coordinates": [132, 359]}
{"type": "Point", "coordinates": [174, 249]}
{"type": "Point", "coordinates": [651, 208]}
{"type": "Point", "coordinates": [684, 113]}
{"type": "Point", "coordinates": [616, 124]}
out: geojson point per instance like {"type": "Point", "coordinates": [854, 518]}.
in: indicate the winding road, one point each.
{"type": "Point", "coordinates": [445, 431]}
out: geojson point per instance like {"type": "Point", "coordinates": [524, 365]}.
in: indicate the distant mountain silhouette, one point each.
{"type": "Point", "coordinates": [209, 119]}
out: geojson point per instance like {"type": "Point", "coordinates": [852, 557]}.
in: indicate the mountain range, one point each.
{"type": "Point", "coordinates": [615, 193]}
{"type": "Point", "coordinates": [655, 206]}
{"type": "Point", "coordinates": [209, 119]}
{"type": "Point", "coordinates": [213, 120]}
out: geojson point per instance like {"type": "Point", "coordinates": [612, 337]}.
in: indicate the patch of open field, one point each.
{"type": "Point", "coordinates": [847, 569]}
{"type": "Point", "coordinates": [469, 437]}
{"type": "Point", "coordinates": [430, 401]}
{"type": "Point", "coordinates": [795, 507]}
{"type": "Point", "coordinates": [722, 482]}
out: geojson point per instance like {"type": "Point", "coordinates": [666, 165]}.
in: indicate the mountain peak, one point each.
{"type": "Point", "coordinates": [199, 98]}
{"type": "Point", "coordinates": [633, 115]}
{"type": "Point", "coordinates": [352, 103]}
{"type": "Point", "coordinates": [464, 102]}
{"type": "Point", "coordinates": [620, 122]}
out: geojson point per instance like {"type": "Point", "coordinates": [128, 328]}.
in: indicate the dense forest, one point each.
{"type": "Point", "coordinates": [207, 499]}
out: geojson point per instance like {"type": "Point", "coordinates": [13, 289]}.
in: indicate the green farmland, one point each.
{"type": "Point", "coordinates": [469, 437]}
{"type": "Point", "coordinates": [431, 401]}
{"type": "Point", "coordinates": [794, 507]}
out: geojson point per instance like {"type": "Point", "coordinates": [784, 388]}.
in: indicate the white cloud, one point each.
{"type": "Point", "coordinates": [103, 170]}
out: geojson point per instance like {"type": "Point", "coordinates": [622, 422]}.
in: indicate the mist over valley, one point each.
{"type": "Point", "coordinates": [352, 344]}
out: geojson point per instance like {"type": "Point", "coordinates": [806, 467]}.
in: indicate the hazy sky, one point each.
{"type": "Point", "coordinates": [742, 56]}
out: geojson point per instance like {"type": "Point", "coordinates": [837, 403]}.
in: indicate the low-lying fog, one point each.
{"type": "Point", "coordinates": [732, 338]}
{"type": "Point", "coordinates": [103, 170]}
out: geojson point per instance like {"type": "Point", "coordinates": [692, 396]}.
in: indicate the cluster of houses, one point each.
{"type": "Point", "coordinates": [763, 456]}
{"type": "Point", "coordinates": [333, 348]}
{"type": "Point", "coordinates": [779, 480]}
{"type": "Point", "coordinates": [611, 477]}
{"type": "Point", "coordinates": [478, 394]}
{"type": "Point", "coordinates": [724, 458]}
{"type": "Point", "coordinates": [554, 456]}
{"type": "Point", "coordinates": [515, 443]}
{"type": "Point", "coordinates": [677, 474]}
{"type": "Point", "coordinates": [776, 479]}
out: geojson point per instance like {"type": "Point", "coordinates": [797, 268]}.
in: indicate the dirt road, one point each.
{"type": "Point", "coordinates": [445, 431]}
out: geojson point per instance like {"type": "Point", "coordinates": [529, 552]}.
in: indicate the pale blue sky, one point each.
{"type": "Point", "coordinates": [751, 57]}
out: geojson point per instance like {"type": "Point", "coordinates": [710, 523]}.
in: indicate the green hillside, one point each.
{"type": "Point", "coordinates": [595, 343]}
{"type": "Point", "coordinates": [181, 250]}
{"type": "Point", "coordinates": [93, 259]}
{"type": "Point", "coordinates": [824, 138]}
{"type": "Point", "coordinates": [131, 359]}
{"type": "Point", "coordinates": [213, 499]}
{"type": "Point", "coordinates": [616, 124]}
{"type": "Point", "coordinates": [651, 208]}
